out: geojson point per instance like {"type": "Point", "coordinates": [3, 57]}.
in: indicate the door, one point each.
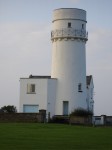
{"type": "Point", "coordinates": [65, 107]}
{"type": "Point", "coordinates": [30, 108]}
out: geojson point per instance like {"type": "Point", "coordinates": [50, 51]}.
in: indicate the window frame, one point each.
{"type": "Point", "coordinates": [31, 87]}
{"type": "Point", "coordinates": [83, 26]}
{"type": "Point", "coordinates": [69, 24]}
{"type": "Point", "coordinates": [80, 87]}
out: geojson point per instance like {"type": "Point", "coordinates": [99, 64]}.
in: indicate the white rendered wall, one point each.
{"type": "Point", "coordinates": [44, 95]}
{"type": "Point", "coordinates": [68, 58]}
{"type": "Point", "coordinates": [51, 96]}
{"type": "Point", "coordinates": [90, 98]}
{"type": "Point", "coordinates": [98, 120]}
{"type": "Point", "coordinates": [39, 98]}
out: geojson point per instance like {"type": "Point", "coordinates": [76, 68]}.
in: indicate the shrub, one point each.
{"type": "Point", "coordinates": [81, 112]}
{"type": "Point", "coordinates": [8, 109]}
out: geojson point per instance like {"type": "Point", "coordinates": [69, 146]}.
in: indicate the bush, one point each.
{"type": "Point", "coordinates": [8, 109]}
{"type": "Point", "coordinates": [81, 112]}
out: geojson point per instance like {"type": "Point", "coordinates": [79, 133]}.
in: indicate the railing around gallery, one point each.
{"type": "Point", "coordinates": [69, 33]}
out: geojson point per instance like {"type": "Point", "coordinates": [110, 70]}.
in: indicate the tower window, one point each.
{"type": "Point", "coordinates": [79, 87]}
{"type": "Point", "coordinates": [82, 26]}
{"type": "Point", "coordinates": [69, 24]}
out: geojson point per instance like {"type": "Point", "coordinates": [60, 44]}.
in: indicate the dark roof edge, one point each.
{"type": "Point", "coordinates": [39, 77]}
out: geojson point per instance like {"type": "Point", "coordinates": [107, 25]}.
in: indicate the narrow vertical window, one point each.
{"type": "Point", "coordinates": [69, 24]}
{"type": "Point", "coordinates": [32, 88]}
{"type": "Point", "coordinates": [82, 26]}
{"type": "Point", "coordinates": [79, 87]}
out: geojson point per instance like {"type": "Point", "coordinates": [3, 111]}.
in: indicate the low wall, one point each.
{"type": "Point", "coordinates": [22, 117]}
{"type": "Point", "coordinates": [80, 120]}
{"type": "Point", "coordinates": [108, 120]}
{"type": "Point", "coordinates": [60, 119]}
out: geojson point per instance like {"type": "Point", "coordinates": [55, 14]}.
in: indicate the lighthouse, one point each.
{"type": "Point", "coordinates": [69, 38]}
{"type": "Point", "coordinates": [67, 88]}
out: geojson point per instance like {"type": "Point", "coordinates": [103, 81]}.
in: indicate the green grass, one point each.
{"type": "Point", "coordinates": [33, 136]}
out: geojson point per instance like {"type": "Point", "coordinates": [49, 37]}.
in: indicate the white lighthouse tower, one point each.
{"type": "Point", "coordinates": [69, 37]}
{"type": "Point", "coordinates": [67, 88]}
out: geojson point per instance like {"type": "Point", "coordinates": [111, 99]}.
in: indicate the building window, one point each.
{"type": "Point", "coordinates": [98, 118]}
{"type": "Point", "coordinates": [69, 24]}
{"type": "Point", "coordinates": [82, 26]}
{"type": "Point", "coordinates": [79, 87]}
{"type": "Point", "coordinates": [30, 88]}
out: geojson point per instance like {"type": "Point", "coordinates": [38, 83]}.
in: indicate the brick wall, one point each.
{"type": "Point", "coordinates": [80, 120]}
{"type": "Point", "coordinates": [22, 117]}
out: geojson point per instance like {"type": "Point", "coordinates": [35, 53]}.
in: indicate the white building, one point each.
{"type": "Point", "coordinates": [67, 88]}
{"type": "Point", "coordinates": [36, 93]}
{"type": "Point", "coordinates": [90, 96]}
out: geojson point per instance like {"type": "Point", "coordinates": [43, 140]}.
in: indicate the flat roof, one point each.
{"type": "Point", "coordinates": [39, 77]}
{"type": "Point", "coordinates": [70, 8]}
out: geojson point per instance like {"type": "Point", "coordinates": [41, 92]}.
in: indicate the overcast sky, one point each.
{"type": "Point", "coordinates": [25, 46]}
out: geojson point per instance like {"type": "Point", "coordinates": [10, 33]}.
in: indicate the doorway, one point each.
{"type": "Point", "coordinates": [65, 107]}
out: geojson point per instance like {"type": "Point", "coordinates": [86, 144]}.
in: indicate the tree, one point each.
{"type": "Point", "coordinates": [8, 109]}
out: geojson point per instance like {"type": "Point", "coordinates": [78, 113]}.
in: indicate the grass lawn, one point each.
{"type": "Point", "coordinates": [33, 136]}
